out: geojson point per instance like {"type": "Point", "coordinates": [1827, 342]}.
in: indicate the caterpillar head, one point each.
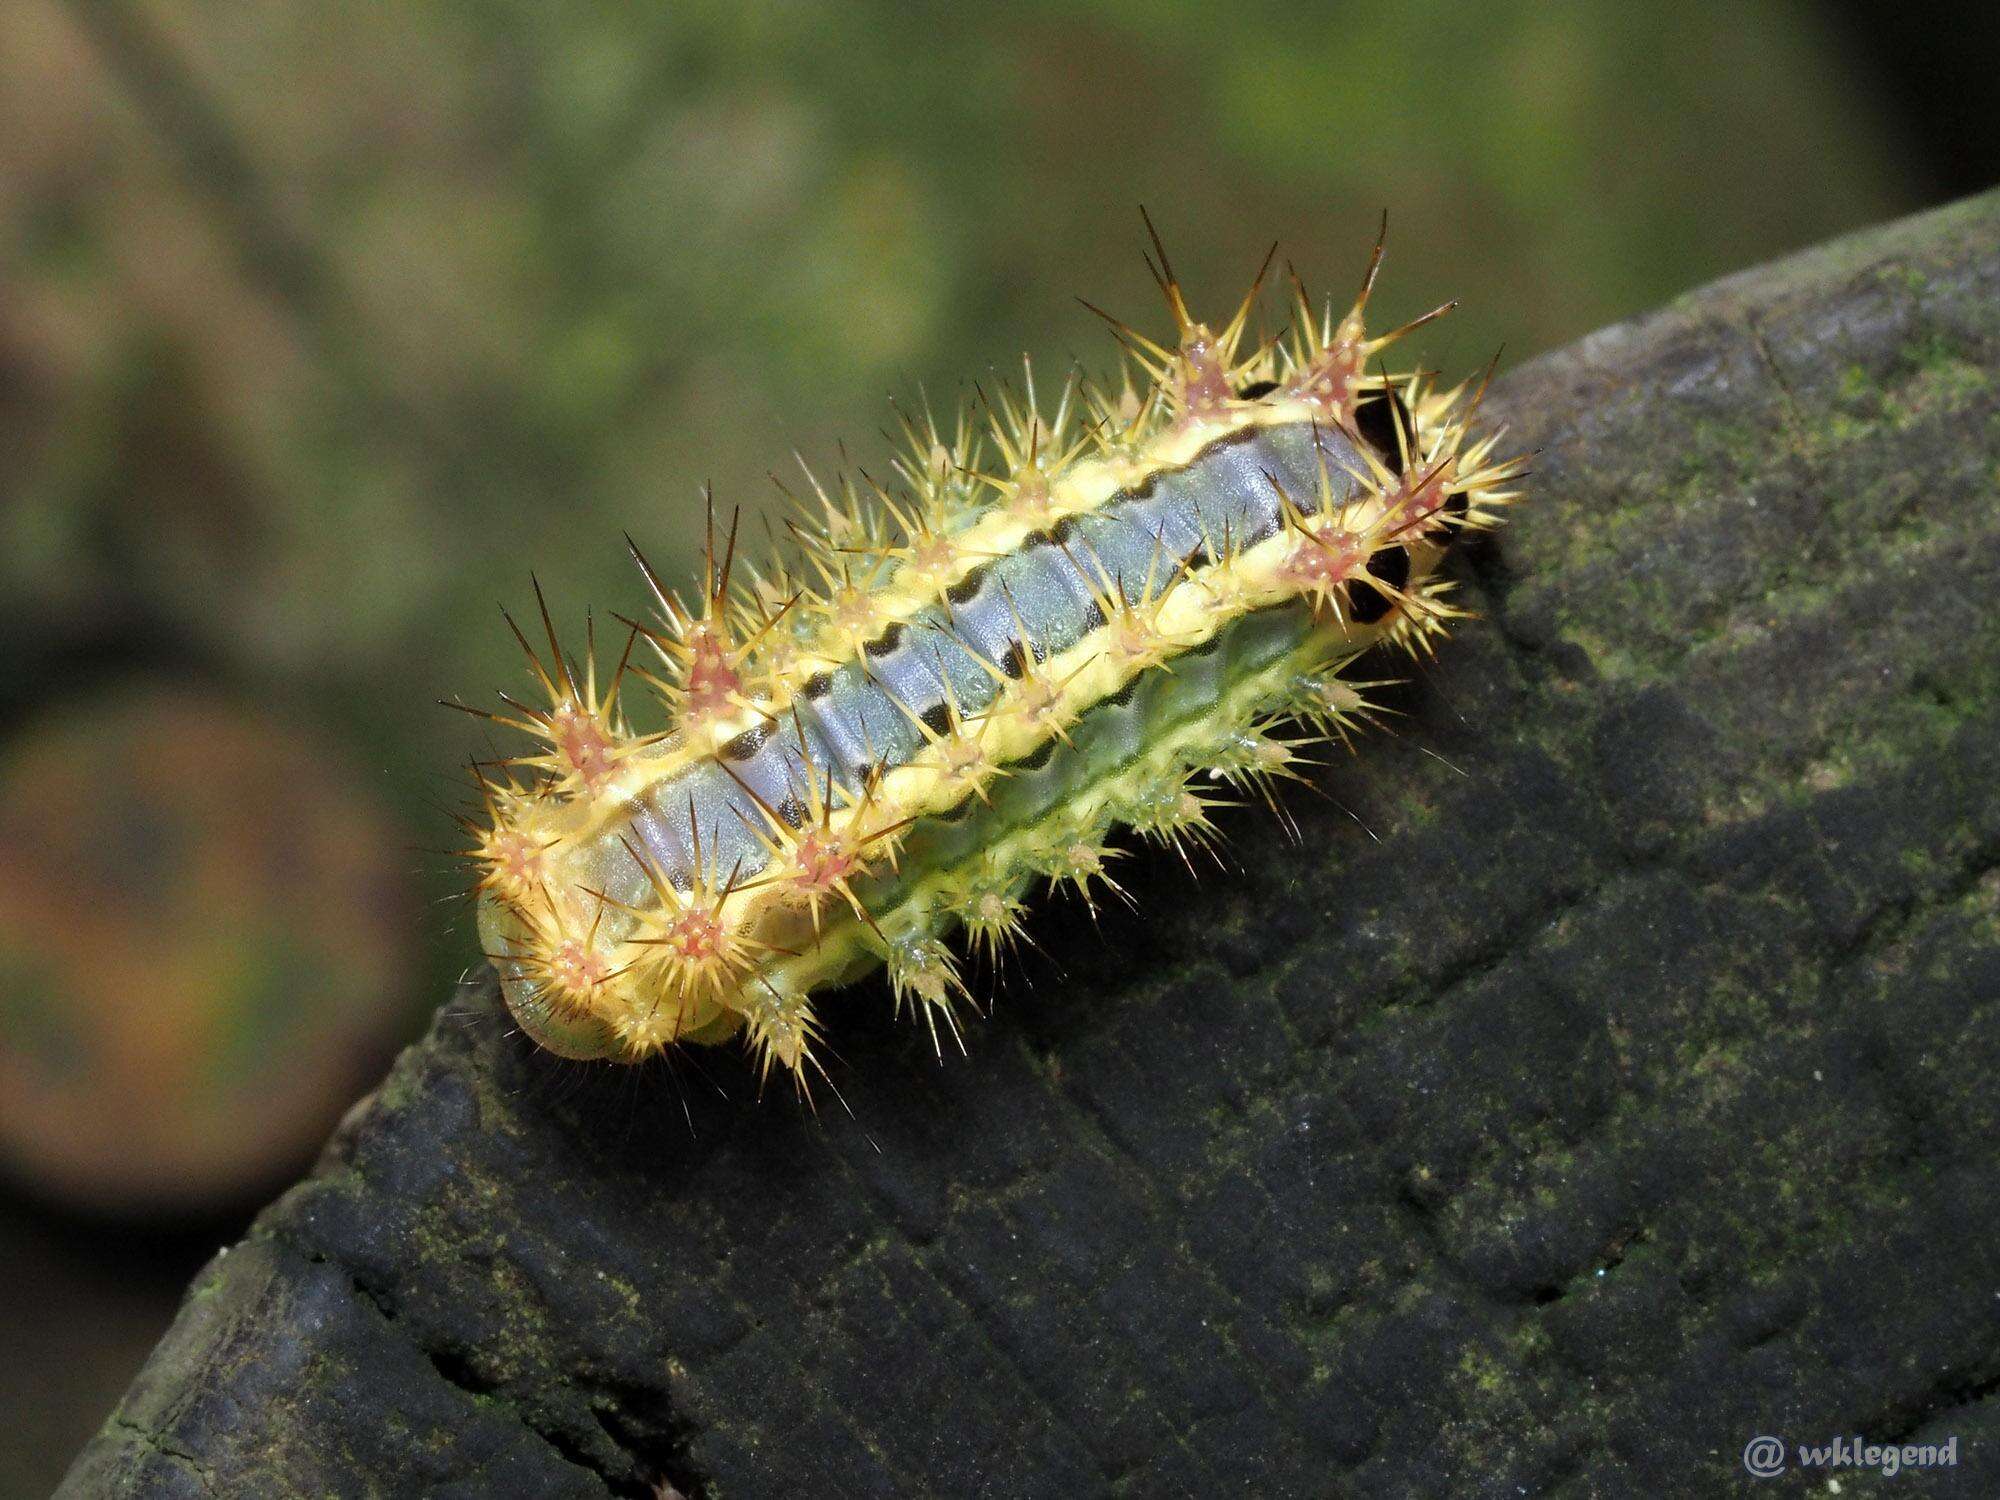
{"type": "Point", "coordinates": [617, 985]}
{"type": "Point", "coordinates": [599, 954]}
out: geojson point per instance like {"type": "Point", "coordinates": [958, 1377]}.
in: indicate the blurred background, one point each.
{"type": "Point", "coordinates": [321, 326]}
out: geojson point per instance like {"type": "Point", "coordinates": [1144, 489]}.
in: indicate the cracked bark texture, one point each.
{"type": "Point", "coordinates": [1630, 1095]}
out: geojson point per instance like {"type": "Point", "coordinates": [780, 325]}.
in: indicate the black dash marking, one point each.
{"type": "Point", "coordinates": [937, 718]}
{"type": "Point", "coordinates": [1227, 440]}
{"type": "Point", "coordinates": [1391, 565]}
{"type": "Point", "coordinates": [968, 587]}
{"type": "Point", "coordinates": [1143, 490]}
{"type": "Point", "coordinates": [1365, 602]}
{"type": "Point", "coordinates": [1035, 759]}
{"type": "Point", "coordinates": [1256, 390]}
{"type": "Point", "coordinates": [1375, 418]}
{"type": "Point", "coordinates": [884, 643]}
{"type": "Point", "coordinates": [1017, 658]}
{"type": "Point", "coordinates": [818, 685]}
{"type": "Point", "coordinates": [748, 743]}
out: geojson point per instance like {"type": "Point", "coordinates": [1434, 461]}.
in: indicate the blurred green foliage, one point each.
{"type": "Point", "coordinates": [325, 325]}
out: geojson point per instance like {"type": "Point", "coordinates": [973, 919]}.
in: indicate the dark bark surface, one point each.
{"type": "Point", "coordinates": [1630, 1095]}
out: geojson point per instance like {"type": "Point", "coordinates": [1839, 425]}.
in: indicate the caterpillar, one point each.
{"type": "Point", "coordinates": [1046, 623]}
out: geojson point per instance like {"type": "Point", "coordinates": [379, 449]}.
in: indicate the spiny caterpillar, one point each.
{"type": "Point", "coordinates": [958, 682]}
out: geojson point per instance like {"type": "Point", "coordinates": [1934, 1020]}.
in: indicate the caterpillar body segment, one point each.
{"type": "Point", "coordinates": [960, 684]}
